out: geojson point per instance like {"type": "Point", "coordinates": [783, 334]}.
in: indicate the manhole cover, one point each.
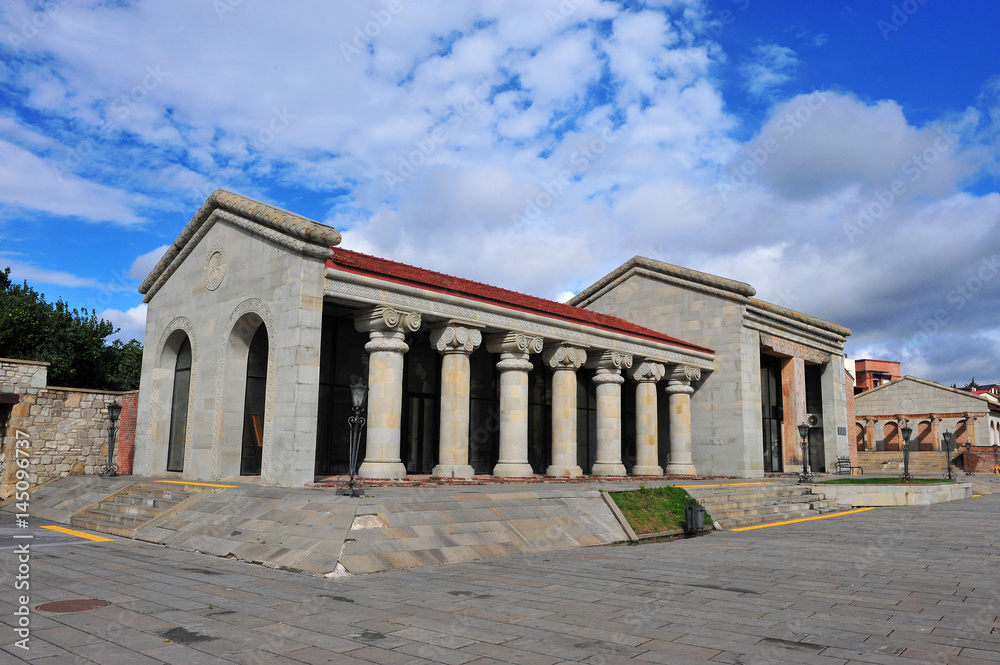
{"type": "Point", "coordinates": [81, 605]}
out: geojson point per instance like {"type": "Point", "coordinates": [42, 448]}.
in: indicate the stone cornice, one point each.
{"type": "Point", "coordinates": [514, 342]}
{"type": "Point", "coordinates": [355, 289]}
{"type": "Point", "coordinates": [785, 319]}
{"type": "Point", "coordinates": [296, 232]}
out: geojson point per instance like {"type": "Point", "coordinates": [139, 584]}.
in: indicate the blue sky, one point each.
{"type": "Point", "coordinates": [842, 158]}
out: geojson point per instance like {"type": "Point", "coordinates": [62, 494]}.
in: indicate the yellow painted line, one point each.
{"type": "Point", "coordinates": [184, 482]}
{"type": "Point", "coordinates": [803, 519]}
{"type": "Point", "coordinates": [727, 485]}
{"type": "Point", "coordinates": [78, 534]}
{"type": "Point", "coordinates": [974, 496]}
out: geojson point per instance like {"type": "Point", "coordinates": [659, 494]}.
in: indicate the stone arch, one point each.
{"type": "Point", "coordinates": [890, 436]}
{"type": "Point", "coordinates": [859, 437]}
{"type": "Point", "coordinates": [165, 359]}
{"type": "Point", "coordinates": [961, 432]}
{"type": "Point", "coordinates": [925, 440]}
{"type": "Point", "coordinates": [227, 433]}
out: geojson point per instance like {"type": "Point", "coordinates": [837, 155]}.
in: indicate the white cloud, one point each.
{"type": "Point", "coordinates": [772, 66]}
{"type": "Point", "coordinates": [131, 323]}
{"type": "Point", "coordinates": [36, 275]}
{"type": "Point", "coordinates": [145, 263]}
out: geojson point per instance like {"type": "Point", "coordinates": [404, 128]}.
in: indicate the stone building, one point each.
{"type": "Point", "coordinates": [873, 373]}
{"type": "Point", "coordinates": [930, 409]}
{"type": "Point", "coordinates": [258, 324]}
{"type": "Point", "coordinates": [774, 367]}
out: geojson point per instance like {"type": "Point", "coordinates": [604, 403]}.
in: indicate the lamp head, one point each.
{"type": "Point", "coordinates": [114, 410]}
{"type": "Point", "coordinates": [359, 390]}
{"type": "Point", "coordinates": [947, 437]}
{"type": "Point", "coordinates": [907, 432]}
{"type": "Point", "coordinates": [803, 430]}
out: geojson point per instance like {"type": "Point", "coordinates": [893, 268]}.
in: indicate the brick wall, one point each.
{"type": "Point", "coordinates": [67, 428]}
{"type": "Point", "coordinates": [981, 457]}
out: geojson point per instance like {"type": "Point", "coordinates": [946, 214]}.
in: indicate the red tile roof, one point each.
{"type": "Point", "coordinates": [400, 273]}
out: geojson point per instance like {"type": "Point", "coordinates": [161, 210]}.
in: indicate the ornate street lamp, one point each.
{"type": "Point", "coordinates": [968, 458]}
{"type": "Point", "coordinates": [359, 391]}
{"type": "Point", "coordinates": [805, 476]}
{"type": "Point", "coordinates": [947, 455]}
{"type": "Point", "coordinates": [110, 470]}
{"type": "Point", "coordinates": [995, 446]}
{"type": "Point", "coordinates": [907, 432]}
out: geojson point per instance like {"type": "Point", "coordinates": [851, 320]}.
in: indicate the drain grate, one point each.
{"type": "Point", "coordinates": [81, 605]}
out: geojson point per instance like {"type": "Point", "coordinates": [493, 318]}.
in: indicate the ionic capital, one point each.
{"type": "Point", "coordinates": [383, 319]}
{"type": "Point", "coordinates": [648, 372]}
{"type": "Point", "coordinates": [564, 357]}
{"type": "Point", "coordinates": [514, 342]}
{"type": "Point", "coordinates": [610, 360]}
{"type": "Point", "coordinates": [456, 339]}
{"type": "Point", "coordinates": [681, 378]}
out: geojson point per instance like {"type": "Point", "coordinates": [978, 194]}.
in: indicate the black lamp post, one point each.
{"type": "Point", "coordinates": [968, 458]}
{"type": "Point", "coordinates": [907, 433]}
{"type": "Point", "coordinates": [995, 446]}
{"type": "Point", "coordinates": [947, 456]}
{"type": "Point", "coordinates": [805, 476]}
{"type": "Point", "coordinates": [110, 470]}
{"type": "Point", "coordinates": [359, 391]}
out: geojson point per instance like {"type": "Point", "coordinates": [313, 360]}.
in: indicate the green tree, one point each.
{"type": "Point", "coordinates": [73, 341]}
{"type": "Point", "coordinates": [971, 385]}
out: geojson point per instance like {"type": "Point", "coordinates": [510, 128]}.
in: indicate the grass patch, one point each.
{"type": "Point", "coordinates": [655, 509]}
{"type": "Point", "coordinates": [884, 481]}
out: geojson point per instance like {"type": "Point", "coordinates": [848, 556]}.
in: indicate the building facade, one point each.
{"type": "Point", "coordinates": [874, 373]}
{"type": "Point", "coordinates": [258, 324]}
{"type": "Point", "coordinates": [930, 409]}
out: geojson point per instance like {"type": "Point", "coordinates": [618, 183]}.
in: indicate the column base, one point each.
{"type": "Point", "coordinates": [382, 470]}
{"type": "Point", "coordinates": [681, 470]}
{"type": "Point", "coordinates": [452, 471]}
{"type": "Point", "coordinates": [608, 469]}
{"type": "Point", "coordinates": [513, 470]}
{"type": "Point", "coordinates": [647, 471]}
{"type": "Point", "coordinates": [564, 471]}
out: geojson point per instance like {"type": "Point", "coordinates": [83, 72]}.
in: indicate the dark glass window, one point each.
{"type": "Point", "coordinates": [253, 406]}
{"type": "Point", "coordinates": [484, 411]}
{"type": "Point", "coordinates": [342, 360]}
{"type": "Point", "coordinates": [179, 408]}
{"type": "Point", "coordinates": [539, 417]}
{"type": "Point", "coordinates": [586, 419]}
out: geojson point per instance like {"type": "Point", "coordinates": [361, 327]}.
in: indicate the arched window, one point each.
{"type": "Point", "coordinates": [253, 409]}
{"type": "Point", "coordinates": [860, 441]}
{"type": "Point", "coordinates": [179, 408]}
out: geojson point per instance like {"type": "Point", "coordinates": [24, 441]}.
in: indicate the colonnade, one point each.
{"type": "Point", "coordinates": [518, 352]}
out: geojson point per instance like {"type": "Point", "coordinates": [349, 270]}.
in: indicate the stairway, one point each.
{"type": "Point", "coordinates": [125, 512]}
{"type": "Point", "coordinates": [736, 506]}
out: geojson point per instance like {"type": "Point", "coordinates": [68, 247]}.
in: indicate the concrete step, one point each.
{"type": "Point", "coordinates": [125, 512]}
{"type": "Point", "coordinates": [736, 506]}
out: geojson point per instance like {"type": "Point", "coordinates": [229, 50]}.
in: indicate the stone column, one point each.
{"type": "Point", "coordinates": [679, 389]}
{"type": "Point", "coordinates": [514, 350]}
{"type": "Point", "coordinates": [609, 382]}
{"type": "Point", "coordinates": [456, 343]}
{"type": "Point", "coordinates": [564, 361]}
{"type": "Point", "coordinates": [935, 433]}
{"type": "Point", "coordinates": [646, 457]}
{"type": "Point", "coordinates": [387, 330]}
{"type": "Point", "coordinates": [793, 401]}
{"type": "Point", "coordinates": [870, 433]}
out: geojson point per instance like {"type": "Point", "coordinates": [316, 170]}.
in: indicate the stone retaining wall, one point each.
{"type": "Point", "coordinates": [67, 427]}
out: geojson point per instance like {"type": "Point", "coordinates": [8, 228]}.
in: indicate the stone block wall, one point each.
{"type": "Point", "coordinates": [67, 427]}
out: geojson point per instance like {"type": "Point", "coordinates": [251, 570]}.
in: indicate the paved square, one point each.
{"type": "Point", "coordinates": [890, 585]}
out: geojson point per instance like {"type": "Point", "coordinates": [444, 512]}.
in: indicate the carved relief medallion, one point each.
{"type": "Point", "coordinates": [215, 268]}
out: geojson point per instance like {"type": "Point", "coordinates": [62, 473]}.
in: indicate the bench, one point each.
{"type": "Point", "coordinates": [844, 467]}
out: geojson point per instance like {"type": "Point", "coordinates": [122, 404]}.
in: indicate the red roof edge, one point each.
{"type": "Point", "coordinates": [363, 264]}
